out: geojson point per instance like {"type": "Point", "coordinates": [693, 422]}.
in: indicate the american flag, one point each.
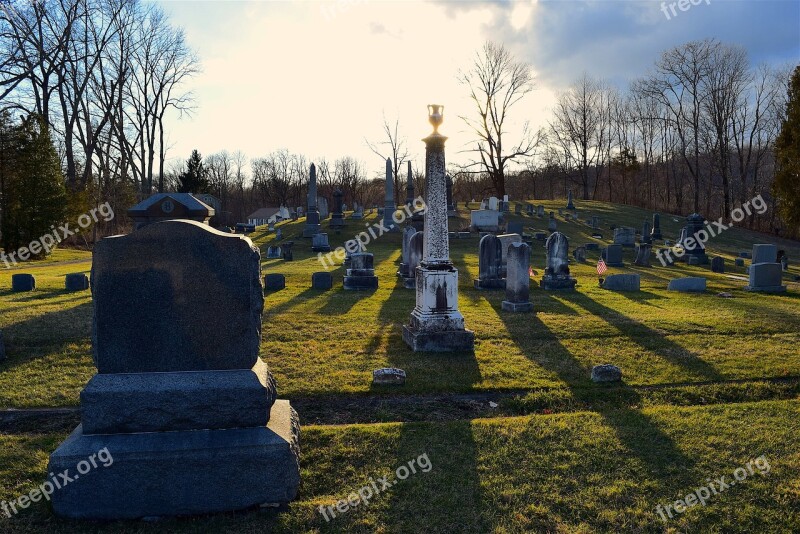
{"type": "Point", "coordinates": [601, 266]}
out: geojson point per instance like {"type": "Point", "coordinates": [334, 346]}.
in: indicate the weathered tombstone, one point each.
{"type": "Point", "coordinates": [321, 280]}
{"type": "Point", "coordinates": [76, 282]}
{"type": "Point", "coordinates": [271, 227]}
{"type": "Point", "coordinates": [606, 373]}
{"type": "Point", "coordinates": [612, 255]}
{"type": "Point", "coordinates": [361, 274]}
{"type": "Point", "coordinates": [643, 255]}
{"type": "Point", "coordinates": [322, 204]}
{"type": "Point", "coordinates": [436, 324]}
{"type": "Point", "coordinates": [646, 238]}
{"type": "Point", "coordinates": [274, 252]}
{"type": "Point", "coordinates": [529, 210]}
{"type": "Point", "coordinates": [518, 279]}
{"type": "Point", "coordinates": [505, 241]}
{"type": "Point", "coordinates": [692, 241]}
{"type": "Point", "coordinates": [337, 220]}
{"type": "Point", "coordinates": [320, 243]}
{"type": "Point", "coordinates": [595, 224]}
{"type": "Point", "coordinates": [655, 233]}
{"type": "Point", "coordinates": [494, 203]}
{"type": "Point", "coordinates": [625, 236]}
{"type": "Point", "coordinates": [22, 282]}
{"type": "Point", "coordinates": [579, 254]}
{"type": "Point", "coordinates": [540, 211]}
{"type": "Point", "coordinates": [622, 282]}
{"type": "Point", "coordinates": [783, 259]}
{"type": "Point", "coordinates": [358, 212]}
{"type": "Point", "coordinates": [415, 246]}
{"type": "Point", "coordinates": [286, 249]}
{"type": "Point", "coordinates": [514, 227]}
{"type": "Point", "coordinates": [485, 220]}
{"type": "Point", "coordinates": [745, 255]}
{"type": "Point", "coordinates": [490, 258]}
{"type": "Point", "coordinates": [718, 264]}
{"type": "Point", "coordinates": [517, 208]}
{"type": "Point", "coordinates": [556, 273]}
{"type": "Point", "coordinates": [551, 224]}
{"type": "Point", "coordinates": [408, 233]}
{"type": "Point", "coordinates": [279, 234]}
{"type": "Point", "coordinates": [693, 284]}
{"type": "Point", "coordinates": [312, 217]}
{"type": "Point", "coordinates": [188, 410]}
{"type": "Point", "coordinates": [739, 262]}
{"type": "Point", "coordinates": [170, 206]}
{"type": "Point", "coordinates": [274, 282]}
{"type": "Point", "coordinates": [505, 205]}
{"type": "Point", "coordinates": [570, 205]}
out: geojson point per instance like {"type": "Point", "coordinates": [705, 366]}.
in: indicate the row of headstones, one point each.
{"type": "Point", "coordinates": [27, 282]}
{"type": "Point", "coordinates": [360, 276]}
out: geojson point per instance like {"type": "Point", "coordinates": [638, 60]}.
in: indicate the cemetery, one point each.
{"type": "Point", "coordinates": [523, 327]}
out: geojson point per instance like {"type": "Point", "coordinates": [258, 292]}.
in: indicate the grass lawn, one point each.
{"type": "Point", "coordinates": [710, 383]}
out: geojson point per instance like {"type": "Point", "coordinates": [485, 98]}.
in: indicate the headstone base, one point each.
{"type": "Point", "coordinates": [441, 341]}
{"type": "Point", "coordinates": [321, 249]}
{"type": "Point", "coordinates": [516, 306]}
{"type": "Point", "coordinates": [766, 289]}
{"type": "Point", "coordinates": [360, 283]}
{"type": "Point", "coordinates": [553, 283]}
{"type": "Point", "coordinates": [402, 271]}
{"type": "Point", "coordinates": [181, 473]}
{"type": "Point", "coordinates": [496, 283]}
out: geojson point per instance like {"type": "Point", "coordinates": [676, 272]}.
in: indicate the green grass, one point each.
{"type": "Point", "coordinates": [603, 471]}
{"type": "Point", "coordinates": [328, 343]}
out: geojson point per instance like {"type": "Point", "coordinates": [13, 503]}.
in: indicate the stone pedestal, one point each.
{"type": "Point", "coordinates": [435, 323]}
{"type": "Point", "coordinates": [361, 274]}
{"type": "Point", "coordinates": [186, 412]}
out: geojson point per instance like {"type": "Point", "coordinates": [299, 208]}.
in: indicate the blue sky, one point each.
{"type": "Point", "coordinates": [317, 77]}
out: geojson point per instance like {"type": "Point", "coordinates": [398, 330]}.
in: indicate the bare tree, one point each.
{"type": "Point", "coordinates": [394, 147]}
{"type": "Point", "coordinates": [497, 82]}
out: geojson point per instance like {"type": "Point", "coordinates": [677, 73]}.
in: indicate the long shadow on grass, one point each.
{"type": "Point", "coordinates": [636, 431]}
{"type": "Point", "coordinates": [647, 338]}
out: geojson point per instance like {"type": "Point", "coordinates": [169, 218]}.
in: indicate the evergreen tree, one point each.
{"type": "Point", "coordinates": [787, 152]}
{"type": "Point", "coordinates": [195, 178]}
{"type": "Point", "coordinates": [33, 195]}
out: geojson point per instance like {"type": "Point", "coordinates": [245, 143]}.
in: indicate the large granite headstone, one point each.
{"type": "Point", "coordinates": [181, 400]}
{"type": "Point", "coordinates": [518, 279]}
{"type": "Point", "coordinates": [556, 273]}
{"type": "Point", "coordinates": [766, 274]}
{"type": "Point", "coordinates": [643, 255]}
{"type": "Point", "coordinates": [612, 255]}
{"type": "Point", "coordinates": [319, 243]}
{"type": "Point", "coordinates": [655, 233]}
{"type": "Point", "coordinates": [625, 236]}
{"type": "Point", "coordinates": [490, 258]}
{"type": "Point", "coordinates": [622, 282]}
{"type": "Point", "coordinates": [361, 274]}
{"type": "Point", "coordinates": [22, 282]}
{"type": "Point", "coordinates": [485, 220]}
{"type": "Point", "coordinates": [692, 241]}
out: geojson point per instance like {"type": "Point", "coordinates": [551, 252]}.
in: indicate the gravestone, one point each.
{"type": "Point", "coordinates": [451, 206]}
{"type": "Point", "coordinates": [625, 236]}
{"type": "Point", "coordinates": [361, 274]}
{"type": "Point", "coordinates": [485, 220]}
{"type": "Point", "coordinates": [408, 233]}
{"type": "Point", "coordinates": [556, 273]}
{"type": "Point", "coordinates": [490, 259]}
{"type": "Point", "coordinates": [271, 227]}
{"type": "Point", "coordinates": [312, 216]}
{"type": "Point", "coordinates": [606, 373]}
{"type": "Point", "coordinates": [783, 258]}
{"type": "Point", "coordinates": [692, 284]}
{"type": "Point", "coordinates": [592, 246]}
{"type": "Point", "coordinates": [337, 220]}
{"type": "Point", "coordinates": [76, 282]}
{"type": "Point", "coordinates": [643, 255]}
{"type": "Point", "coordinates": [388, 376]}
{"type": "Point", "coordinates": [766, 278]}
{"type": "Point", "coordinates": [409, 186]}
{"type": "Point", "coordinates": [692, 241]}
{"type": "Point", "coordinates": [646, 237]}
{"type": "Point", "coordinates": [320, 243]}
{"type": "Point", "coordinates": [765, 253]}
{"type": "Point", "coordinates": [517, 208]}
{"type": "Point", "coordinates": [505, 241]}
{"type": "Point", "coordinates": [745, 255]}
{"type": "Point", "coordinates": [718, 264]}
{"type": "Point", "coordinates": [570, 204]}
{"type": "Point", "coordinates": [274, 252]}
{"type": "Point", "coordinates": [595, 224]}
{"type": "Point", "coordinates": [529, 210]}
{"type": "Point", "coordinates": [389, 206]}
{"type": "Point", "coordinates": [181, 398]}
{"type": "Point", "coordinates": [551, 224]}
{"type": "Point", "coordinates": [514, 227]}
{"type": "Point", "coordinates": [274, 282]}
{"type": "Point", "coordinates": [322, 204]}
{"type": "Point", "coordinates": [622, 282]}
{"type": "Point", "coordinates": [321, 280]}
{"type": "Point", "coordinates": [655, 233]}
{"type": "Point", "coordinates": [518, 279]}
{"type": "Point", "coordinates": [170, 206]}
{"type": "Point", "coordinates": [612, 255]}
{"type": "Point", "coordinates": [415, 245]}
{"type": "Point", "coordinates": [286, 249]}
{"type": "Point", "coordinates": [739, 262]}
{"type": "Point", "coordinates": [22, 282]}
{"type": "Point", "coordinates": [279, 234]}
{"type": "Point", "coordinates": [540, 211]}
{"type": "Point", "coordinates": [494, 204]}
{"type": "Point", "coordinates": [579, 254]}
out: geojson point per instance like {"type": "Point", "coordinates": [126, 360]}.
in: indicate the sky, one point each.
{"type": "Point", "coordinates": [318, 77]}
